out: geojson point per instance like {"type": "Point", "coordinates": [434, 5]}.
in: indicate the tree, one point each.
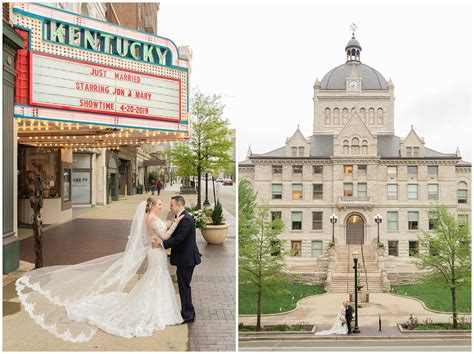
{"type": "Point", "coordinates": [260, 255]}
{"type": "Point", "coordinates": [447, 254]}
{"type": "Point", "coordinates": [209, 146]}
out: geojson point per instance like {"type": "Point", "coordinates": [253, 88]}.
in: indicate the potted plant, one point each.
{"type": "Point", "coordinates": [214, 233]}
{"type": "Point", "coordinates": [380, 249]}
{"type": "Point", "coordinates": [332, 248]}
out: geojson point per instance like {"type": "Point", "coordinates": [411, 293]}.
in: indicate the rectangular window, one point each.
{"type": "Point", "coordinates": [297, 191]}
{"type": "Point", "coordinates": [432, 220]}
{"type": "Point", "coordinates": [362, 190]}
{"type": "Point", "coordinates": [412, 220]}
{"type": "Point", "coordinates": [409, 151]}
{"type": "Point", "coordinates": [318, 191]}
{"type": "Point", "coordinates": [297, 169]}
{"type": "Point", "coordinates": [296, 248]}
{"type": "Point", "coordinates": [433, 192]}
{"type": "Point", "coordinates": [392, 191]}
{"type": "Point", "coordinates": [412, 248]}
{"type": "Point", "coordinates": [416, 151]}
{"type": "Point", "coordinates": [392, 220]}
{"type": "Point", "coordinates": [317, 220]}
{"type": "Point", "coordinates": [433, 171]}
{"type": "Point", "coordinates": [392, 171]}
{"type": "Point", "coordinates": [362, 169]}
{"type": "Point", "coordinates": [294, 151]}
{"type": "Point", "coordinates": [348, 190]}
{"type": "Point", "coordinates": [296, 220]}
{"type": "Point", "coordinates": [393, 248]}
{"type": "Point", "coordinates": [462, 220]}
{"type": "Point", "coordinates": [347, 169]}
{"type": "Point", "coordinates": [81, 161]}
{"type": "Point", "coordinates": [317, 169]}
{"type": "Point", "coordinates": [462, 196]}
{"type": "Point", "coordinates": [412, 190]}
{"type": "Point", "coordinates": [412, 171]}
{"type": "Point", "coordinates": [301, 151]}
{"type": "Point", "coordinates": [276, 191]}
{"type": "Point", "coordinates": [316, 248]}
{"type": "Point", "coordinates": [277, 169]}
{"type": "Point", "coordinates": [276, 215]}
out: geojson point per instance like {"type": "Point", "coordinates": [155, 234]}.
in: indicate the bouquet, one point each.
{"type": "Point", "coordinates": [343, 319]}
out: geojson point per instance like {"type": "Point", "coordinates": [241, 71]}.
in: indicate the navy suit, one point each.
{"type": "Point", "coordinates": [349, 319]}
{"type": "Point", "coordinates": [185, 256]}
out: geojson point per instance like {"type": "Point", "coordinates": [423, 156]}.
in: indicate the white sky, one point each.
{"type": "Point", "coordinates": [264, 58]}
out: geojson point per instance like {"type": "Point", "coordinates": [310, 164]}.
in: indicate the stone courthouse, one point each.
{"type": "Point", "coordinates": [355, 168]}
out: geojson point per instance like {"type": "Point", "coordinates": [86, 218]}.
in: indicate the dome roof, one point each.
{"type": "Point", "coordinates": [353, 43]}
{"type": "Point", "coordinates": [335, 79]}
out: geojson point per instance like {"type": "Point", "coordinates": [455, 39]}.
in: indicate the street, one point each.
{"type": "Point", "coordinates": [359, 345]}
{"type": "Point", "coordinates": [226, 194]}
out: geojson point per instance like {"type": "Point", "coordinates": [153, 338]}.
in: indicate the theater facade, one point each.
{"type": "Point", "coordinates": [352, 168]}
{"type": "Point", "coordinates": [84, 91]}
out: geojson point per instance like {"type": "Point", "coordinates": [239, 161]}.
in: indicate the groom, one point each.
{"type": "Point", "coordinates": [348, 317]}
{"type": "Point", "coordinates": [184, 255]}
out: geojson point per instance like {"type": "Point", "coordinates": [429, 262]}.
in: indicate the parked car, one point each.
{"type": "Point", "coordinates": [220, 179]}
{"type": "Point", "coordinates": [227, 182]}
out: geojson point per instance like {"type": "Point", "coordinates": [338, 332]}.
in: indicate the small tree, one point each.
{"type": "Point", "coordinates": [209, 145]}
{"type": "Point", "coordinates": [447, 254]}
{"type": "Point", "coordinates": [260, 255]}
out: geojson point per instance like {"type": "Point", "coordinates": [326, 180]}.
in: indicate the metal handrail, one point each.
{"type": "Point", "coordinates": [347, 274]}
{"type": "Point", "coordinates": [365, 268]}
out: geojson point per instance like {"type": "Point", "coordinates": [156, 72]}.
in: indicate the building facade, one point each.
{"type": "Point", "coordinates": [354, 167]}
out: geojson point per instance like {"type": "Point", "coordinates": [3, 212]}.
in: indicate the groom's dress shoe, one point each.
{"type": "Point", "coordinates": [188, 320]}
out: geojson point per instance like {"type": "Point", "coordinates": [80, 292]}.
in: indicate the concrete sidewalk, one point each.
{"type": "Point", "coordinates": [103, 230]}
{"type": "Point", "coordinates": [321, 310]}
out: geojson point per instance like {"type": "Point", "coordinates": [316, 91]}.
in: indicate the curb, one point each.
{"type": "Point", "coordinates": [287, 337]}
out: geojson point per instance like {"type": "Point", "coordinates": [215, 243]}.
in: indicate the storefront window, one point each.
{"type": "Point", "coordinates": [43, 162]}
{"type": "Point", "coordinates": [67, 185]}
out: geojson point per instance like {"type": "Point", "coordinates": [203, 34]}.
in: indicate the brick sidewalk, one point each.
{"type": "Point", "coordinates": [103, 230]}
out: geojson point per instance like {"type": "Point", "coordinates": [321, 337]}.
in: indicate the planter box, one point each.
{"type": "Point", "coordinates": [447, 331]}
{"type": "Point", "coordinates": [215, 234]}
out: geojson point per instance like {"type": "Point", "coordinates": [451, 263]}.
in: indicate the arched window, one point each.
{"type": "Point", "coordinates": [348, 52]}
{"type": "Point", "coordinates": [345, 115]}
{"type": "Point", "coordinates": [327, 116]}
{"type": "Point", "coordinates": [462, 193]}
{"type": "Point", "coordinates": [353, 52]}
{"type": "Point", "coordinates": [365, 148]}
{"type": "Point", "coordinates": [380, 116]}
{"type": "Point", "coordinates": [363, 115]}
{"type": "Point", "coordinates": [336, 116]}
{"type": "Point", "coordinates": [355, 149]}
{"type": "Point", "coordinates": [345, 146]}
{"type": "Point", "coordinates": [358, 52]}
{"type": "Point", "coordinates": [371, 116]}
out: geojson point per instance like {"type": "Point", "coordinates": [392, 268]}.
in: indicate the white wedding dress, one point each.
{"type": "Point", "coordinates": [339, 326]}
{"type": "Point", "coordinates": [71, 302]}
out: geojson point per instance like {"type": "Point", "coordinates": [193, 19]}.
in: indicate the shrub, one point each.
{"type": "Point", "coordinates": [217, 216]}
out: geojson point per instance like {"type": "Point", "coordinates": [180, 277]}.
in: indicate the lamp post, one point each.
{"type": "Point", "coordinates": [206, 201]}
{"type": "Point", "coordinates": [378, 220]}
{"type": "Point", "coordinates": [356, 329]}
{"type": "Point", "coordinates": [333, 220]}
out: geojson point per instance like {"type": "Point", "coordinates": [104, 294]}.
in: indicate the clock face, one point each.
{"type": "Point", "coordinates": [354, 85]}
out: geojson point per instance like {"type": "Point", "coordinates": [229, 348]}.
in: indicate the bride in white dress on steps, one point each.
{"type": "Point", "coordinates": [71, 302]}
{"type": "Point", "coordinates": [339, 326]}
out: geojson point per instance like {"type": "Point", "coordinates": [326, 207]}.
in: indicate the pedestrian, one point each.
{"type": "Point", "coordinates": [159, 185]}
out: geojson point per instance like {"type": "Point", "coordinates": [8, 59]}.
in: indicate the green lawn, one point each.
{"type": "Point", "coordinates": [274, 303]}
{"type": "Point", "coordinates": [437, 296]}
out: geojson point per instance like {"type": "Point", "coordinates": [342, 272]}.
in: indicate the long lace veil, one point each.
{"type": "Point", "coordinates": [49, 295]}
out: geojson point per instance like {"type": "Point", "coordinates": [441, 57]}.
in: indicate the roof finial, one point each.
{"type": "Point", "coordinates": [353, 29]}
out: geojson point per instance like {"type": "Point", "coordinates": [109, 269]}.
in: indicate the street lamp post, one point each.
{"type": "Point", "coordinates": [206, 201]}
{"type": "Point", "coordinates": [333, 220]}
{"type": "Point", "coordinates": [378, 220]}
{"type": "Point", "coordinates": [356, 329]}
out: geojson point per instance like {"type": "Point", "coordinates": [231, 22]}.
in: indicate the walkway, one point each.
{"type": "Point", "coordinates": [100, 231]}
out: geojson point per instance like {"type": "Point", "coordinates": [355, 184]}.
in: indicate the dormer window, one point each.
{"type": "Point", "coordinates": [294, 151]}
{"type": "Point", "coordinates": [409, 153]}
{"type": "Point", "coordinates": [416, 151]}
{"type": "Point", "coordinates": [301, 151]}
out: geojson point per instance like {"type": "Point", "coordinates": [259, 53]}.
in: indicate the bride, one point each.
{"type": "Point", "coordinates": [72, 301]}
{"type": "Point", "coordinates": [339, 326]}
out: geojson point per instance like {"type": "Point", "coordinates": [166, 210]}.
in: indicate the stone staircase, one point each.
{"type": "Point", "coordinates": [343, 274]}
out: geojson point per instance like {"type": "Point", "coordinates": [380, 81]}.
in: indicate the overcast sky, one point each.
{"type": "Point", "coordinates": [264, 58]}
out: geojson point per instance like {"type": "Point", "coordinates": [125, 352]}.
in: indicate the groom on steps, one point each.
{"type": "Point", "coordinates": [184, 255]}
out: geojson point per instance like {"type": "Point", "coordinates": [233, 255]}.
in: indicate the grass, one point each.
{"type": "Point", "coordinates": [437, 296]}
{"type": "Point", "coordinates": [274, 303]}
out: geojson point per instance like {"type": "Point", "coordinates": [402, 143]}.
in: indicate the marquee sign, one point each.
{"type": "Point", "coordinates": [92, 70]}
{"type": "Point", "coordinates": [69, 84]}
